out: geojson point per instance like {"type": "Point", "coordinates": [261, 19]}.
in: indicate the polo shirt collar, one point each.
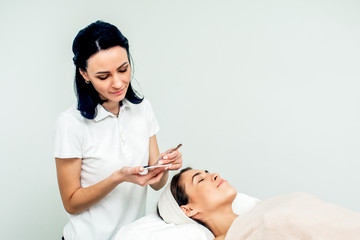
{"type": "Point", "coordinates": [103, 113]}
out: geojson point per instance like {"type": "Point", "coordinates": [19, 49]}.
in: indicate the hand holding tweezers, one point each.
{"type": "Point", "coordinates": [172, 150]}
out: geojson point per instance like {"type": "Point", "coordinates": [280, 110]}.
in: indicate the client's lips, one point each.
{"type": "Point", "coordinates": [221, 182]}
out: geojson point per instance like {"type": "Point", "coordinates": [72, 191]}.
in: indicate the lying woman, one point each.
{"type": "Point", "coordinates": [197, 195]}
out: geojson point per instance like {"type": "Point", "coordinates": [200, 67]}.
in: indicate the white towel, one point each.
{"type": "Point", "coordinates": [172, 213]}
{"type": "Point", "coordinates": [169, 209]}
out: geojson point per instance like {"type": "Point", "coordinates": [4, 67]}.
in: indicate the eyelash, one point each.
{"type": "Point", "coordinates": [103, 78]}
{"type": "Point", "coordinates": [201, 180]}
{"type": "Point", "coordinates": [122, 71]}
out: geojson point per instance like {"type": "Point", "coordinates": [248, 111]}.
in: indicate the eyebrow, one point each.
{"type": "Point", "coordinates": [109, 72]}
{"type": "Point", "coordinates": [197, 174]}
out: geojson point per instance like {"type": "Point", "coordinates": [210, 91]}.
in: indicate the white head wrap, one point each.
{"type": "Point", "coordinates": [169, 209]}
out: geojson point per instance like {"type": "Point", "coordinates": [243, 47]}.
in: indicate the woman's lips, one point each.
{"type": "Point", "coordinates": [118, 92]}
{"type": "Point", "coordinates": [221, 182]}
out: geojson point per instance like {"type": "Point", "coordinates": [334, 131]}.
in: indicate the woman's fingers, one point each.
{"type": "Point", "coordinates": [170, 155]}
{"type": "Point", "coordinates": [134, 170]}
{"type": "Point", "coordinates": [177, 165]}
{"type": "Point", "coordinates": [139, 169]}
{"type": "Point", "coordinates": [155, 178]}
{"type": "Point", "coordinates": [132, 174]}
{"type": "Point", "coordinates": [168, 158]}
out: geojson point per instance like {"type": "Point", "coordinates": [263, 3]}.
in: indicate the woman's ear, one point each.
{"type": "Point", "coordinates": [188, 210]}
{"type": "Point", "coordinates": [84, 74]}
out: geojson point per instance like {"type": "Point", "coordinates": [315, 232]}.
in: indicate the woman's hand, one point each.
{"type": "Point", "coordinates": [174, 158]}
{"type": "Point", "coordinates": [132, 174]}
{"type": "Point", "coordinates": [77, 199]}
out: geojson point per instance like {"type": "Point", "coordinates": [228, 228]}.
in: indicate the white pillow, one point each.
{"type": "Point", "coordinates": [243, 203]}
{"type": "Point", "coordinates": [152, 227]}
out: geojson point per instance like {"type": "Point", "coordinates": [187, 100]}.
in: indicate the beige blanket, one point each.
{"type": "Point", "coordinates": [296, 216]}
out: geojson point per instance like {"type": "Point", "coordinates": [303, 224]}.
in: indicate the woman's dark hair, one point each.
{"type": "Point", "coordinates": [178, 191]}
{"type": "Point", "coordinates": [90, 40]}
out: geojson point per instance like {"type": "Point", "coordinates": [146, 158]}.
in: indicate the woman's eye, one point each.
{"type": "Point", "coordinates": [102, 77]}
{"type": "Point", "coordinates": [201, 180]}
{"type": "Point", "coordinates": [123, 70]}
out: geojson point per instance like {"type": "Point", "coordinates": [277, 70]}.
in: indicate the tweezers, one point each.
{"type": "Point", "coordinates": [172, 150]}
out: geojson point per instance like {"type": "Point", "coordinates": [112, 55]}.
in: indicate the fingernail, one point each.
{"type": "Point", "coordinates": [160, 162]}
{"type": "Point", "coordinates": [166, 157]}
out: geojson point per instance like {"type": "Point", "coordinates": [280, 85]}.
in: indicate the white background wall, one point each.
{"type": "Point", "coordinates": [264, 92]}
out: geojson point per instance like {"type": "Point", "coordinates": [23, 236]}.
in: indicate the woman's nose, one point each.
{"type": "Point", "coordinates": [215, 176]}
{"type": "Point", "coordinates": [117, 81]}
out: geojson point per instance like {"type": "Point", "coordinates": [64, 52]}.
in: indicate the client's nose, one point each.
{"type": "Point", "coordinates": [215, 176]}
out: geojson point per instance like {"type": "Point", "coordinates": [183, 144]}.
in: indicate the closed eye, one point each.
{"type": "Point", "coordinates": [103, 77]}
{"type": "Point", "coordinates": [123, 70]}
{"type": "Point", "coordinates": [199, 174]}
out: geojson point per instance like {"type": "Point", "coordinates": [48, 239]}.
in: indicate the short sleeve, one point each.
{"type": "Point", "coordinates": [68, 137]}
{"type": "Point", "coordinates": [151, 119]}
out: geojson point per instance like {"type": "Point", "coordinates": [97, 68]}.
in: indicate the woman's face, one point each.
{"type": "Point", "coordinates": [207, 191]}
{"type": "Point", "coordinates": [109, 72]}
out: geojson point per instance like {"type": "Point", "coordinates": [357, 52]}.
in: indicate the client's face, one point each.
{"type": "Point", "coordinates": [207, 191]}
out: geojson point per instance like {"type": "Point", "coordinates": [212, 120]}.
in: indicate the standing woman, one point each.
{"type": "Point", "coordinates": [102, 142]}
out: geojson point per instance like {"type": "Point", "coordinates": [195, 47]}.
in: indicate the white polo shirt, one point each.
{"type": "Point", "coordinates": [105, 144]}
